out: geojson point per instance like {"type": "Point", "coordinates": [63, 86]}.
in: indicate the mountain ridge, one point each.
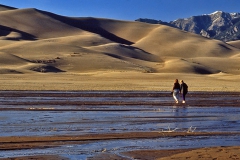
{"type": "Point", "coordinates": [217, 25]}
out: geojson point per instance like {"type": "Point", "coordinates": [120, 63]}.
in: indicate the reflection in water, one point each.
{"type": "Point", "coordinates": [182, 112]}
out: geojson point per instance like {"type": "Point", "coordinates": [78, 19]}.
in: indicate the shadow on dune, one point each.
{"type": "Point", "coordinates": [133, 52]}
{"type": "Point", "coordinates": [46, 69]}
{"type": "Point", "coordinates": [4, 31]}
{"type": "Point", "coordinates": [133, 48]}
{"type": "Point", "coordinates": [5, 8]}
{"type": "Point", "coordinates": [87, 24]}
{"type": "Point", "coordinates": [9, 71]}
{"type": "Point", "coordinates": [225, 46]}
{"type": "Point", "coordinates": [201, 70]}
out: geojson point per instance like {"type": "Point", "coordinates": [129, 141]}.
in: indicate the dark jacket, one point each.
{"type": "Point", "coordinates": [184, 88]}
{"type": "Point", "coordinates": [176, 86]}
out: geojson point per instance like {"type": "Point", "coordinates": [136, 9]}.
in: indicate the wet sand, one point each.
{"type": "Point", "coordinates": [122, 102]}
{"type": "Point", "coordinates": [16, 143]}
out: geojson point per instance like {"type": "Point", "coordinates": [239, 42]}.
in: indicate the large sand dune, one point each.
{"type": "Point", "coordinates": [34, 41]}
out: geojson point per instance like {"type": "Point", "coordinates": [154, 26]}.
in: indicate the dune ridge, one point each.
{"type": "Point", "coordinates": [5, 8]}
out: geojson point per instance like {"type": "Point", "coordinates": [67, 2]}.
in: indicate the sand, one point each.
{"type": "Point", "coordinates": [34, 41]}
{"type": "Point", "coordinates": [40, 50]}
{"type": "Point", "coordinates": [117, 81]}
{"type": "Point", "coordinates": [218, 153]}
{"type": "Point", "coordinates": [210, 153]}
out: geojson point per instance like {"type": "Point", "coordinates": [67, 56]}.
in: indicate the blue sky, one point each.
{"type": "Point", "coordinates": [165, 10]}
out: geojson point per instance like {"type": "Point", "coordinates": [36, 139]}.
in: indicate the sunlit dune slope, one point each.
{"type": "Point", "coordinates": [11, 60]}
{"type": "Point", "coordinates": [130, 31]}
{"type": "Point", "coordinates": [235, 43]}
{"type": "Point", "coordinates": [14, 64]}
{"type": "Point", "coordinates": [72, 58]}
{"type": "Point", "coordinates": [167, 41]}
{"type": "Point", "coordinates": [120, 51]}
{"type": "Point", "coordinates": [33, 41]}
{"type": "Point", "coordinates": [186, 66]}
{"type": "Point", "coordinates": [35, 24]}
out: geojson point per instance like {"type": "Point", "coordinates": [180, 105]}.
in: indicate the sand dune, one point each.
{"type": "Point", "coordinates": [120, 51]}
{"type": "Point", "coordinates": [235, 43]}
{"type": "Point", "coordinates": [9, 59]}
{"type": "Point", "coordinates": [128, 30]}
{"type": "Point", "coordinates": [14, 64]}
{"type": "Point", "coordinates": [82, 40]}
{"type": "Point", "coordinates": [36, 24]}
{"type": "Point", "coordinates": [34, 41]}
{"type": "Point", "coordinates": [167, 41]}
{"type": "Point", "coordinates": [5, 8]}
{"type": "Point", "coordinates": [186, 66]}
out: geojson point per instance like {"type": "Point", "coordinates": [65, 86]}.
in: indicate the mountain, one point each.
{"type": "Point", "coordinates": [218, 25]}
{"type": "Point", "coordinates": [33, 41]}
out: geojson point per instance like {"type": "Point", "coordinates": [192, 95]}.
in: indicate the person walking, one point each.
{"type": "Point", "coordinates": [183, 90]}
{"type": "Point", "coordinates": [176, 90]}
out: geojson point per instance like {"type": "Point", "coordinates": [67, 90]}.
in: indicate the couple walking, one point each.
{"type": "Point", "coordinates": [178, 89]}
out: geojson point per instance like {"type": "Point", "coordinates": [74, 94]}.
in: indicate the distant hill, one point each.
{"type": "Point", "coordinates": [218, 25]}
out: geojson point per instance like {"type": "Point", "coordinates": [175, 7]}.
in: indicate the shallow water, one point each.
{"type": "Point", "coordinates": [117, 146]}
{"type": "Point", "coordinates": [53, 113]}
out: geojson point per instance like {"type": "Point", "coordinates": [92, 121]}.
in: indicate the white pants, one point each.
{"type": "Point", "coordinates": [176, 94]}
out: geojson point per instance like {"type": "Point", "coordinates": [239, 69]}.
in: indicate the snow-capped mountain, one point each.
{"type": "Point", "coordinates": [218, 25]}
